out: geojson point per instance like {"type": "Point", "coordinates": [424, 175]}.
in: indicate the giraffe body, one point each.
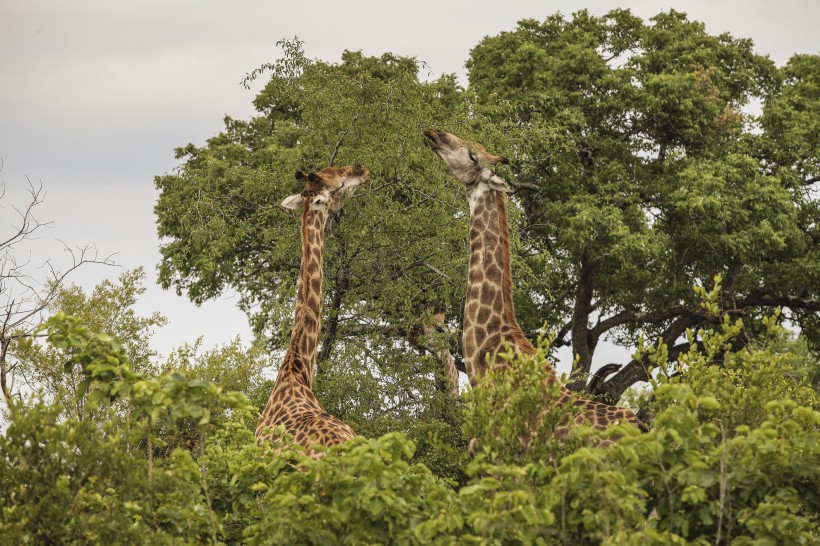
{"type": "Point", "coordinates": [292, 402]}
{"type": "Point", "coordinates": [428, 338]}
{"type": "Point", "coordinates": [489, 315]}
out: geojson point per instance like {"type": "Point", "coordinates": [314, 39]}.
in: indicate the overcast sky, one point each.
{"type": "Point", "coordinates": [95, 95]}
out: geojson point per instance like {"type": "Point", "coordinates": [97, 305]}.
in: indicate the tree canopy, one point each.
{"type": "Point", "coordinates": [651, 207]}
{"type": "Point", "coordinates": [641, 175]}
{"type": "Point", "coordinates": [639, 172]}
{"type": "Point", "coordinates": [392, 259]}
{"type": "Point", "coordinates": [731, 459]}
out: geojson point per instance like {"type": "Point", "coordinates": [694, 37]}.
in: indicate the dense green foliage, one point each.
{"type": "Point", "coordinates": [637, 176]}
{"type": "Point", "coordinates": [732, 458]}
{"type": "Point", "coordinates": [638, 173]}
{"type": "Point", "coordinates": [391, 257]}
{"type": "Point", "coordinates": [641, 175]}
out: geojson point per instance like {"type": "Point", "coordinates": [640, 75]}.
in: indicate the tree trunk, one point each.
{"type": "Point", "coordinates": [583, 342]}
{"type": "Point", "coordinates": [341, 287]}
{"type": "Point", "coordinates": [4, 344]}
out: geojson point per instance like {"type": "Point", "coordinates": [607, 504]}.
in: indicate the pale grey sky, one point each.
{"type": "Point", "coordinates": [96, 94]}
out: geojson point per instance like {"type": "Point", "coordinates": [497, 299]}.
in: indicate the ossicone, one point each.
{"type": "Point", "coordinates": [312, 177]}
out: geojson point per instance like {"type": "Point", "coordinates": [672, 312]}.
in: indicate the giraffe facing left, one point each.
{"type": "Point", "coordinates": [292, 402]}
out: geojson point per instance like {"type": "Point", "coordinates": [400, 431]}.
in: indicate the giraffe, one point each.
{"type": "Point", "coordinates": [427, 336]}
{"type": "Point", "coordinates": [489, 316]}
{"type": "Point", "coordinates": [292, 402]}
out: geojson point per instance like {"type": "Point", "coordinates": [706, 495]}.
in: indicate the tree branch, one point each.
{"type": "Point", "coordinates": [341, 141]}
{"type": "Point", "coordinates": [784, 300]}
{"type": "Point", "coordinates": [24, 297]}
{"type": "Point", "coordinates": [357, 330]}
{"type": "Point", "coordinates": [639, 317]}
{"type": "Point", "coordinates": [612, 390]}
{"type": "Point", "coordinates": [583, 343]}
{"type": "Point", "coordinates": [339, 291]}
{"type": "Point", "coordinates": [530, 186]}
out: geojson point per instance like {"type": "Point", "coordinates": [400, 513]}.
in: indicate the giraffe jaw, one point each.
{"type": "Point", "coordinates": [435, 139]}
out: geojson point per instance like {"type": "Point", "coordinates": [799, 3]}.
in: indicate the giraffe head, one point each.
{"type": "Point", "coordinates": [328, 188]}
{"type": "Point", "coordinates": [467, 161]}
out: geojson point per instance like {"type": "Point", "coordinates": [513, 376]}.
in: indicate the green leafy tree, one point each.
{"type": "Point", "coordinates": [639, 175]}
{"type": "Point", "coordinates": [232, 366]}
{"type": "Point", "coordinates": [802, 361]}
{"type": "Point", "coordinates": [723, 464]}
{"type": "Point", "coordinates": [96, 479]}
{"type": "Point", "coordinates": [109, 308]}
{"type": "Point", "coordinates": [393, 258]}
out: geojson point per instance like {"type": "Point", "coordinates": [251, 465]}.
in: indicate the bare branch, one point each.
{"type": "Point", "coordinates": [429, 266]}
{"type": "Point", "coordinates": [336, 150]}
{"type": "Point", "coordinates": [341, 141]}
{"type": "Point", "coordinates": [26, 292]}
{"type": "Point", "coordinates": [28, 223]}
{"type": "Point", "coordinates": [529, 186]}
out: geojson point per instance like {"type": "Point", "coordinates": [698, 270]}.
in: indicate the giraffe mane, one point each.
{"type": "Point", "coordinates": [517, 335]}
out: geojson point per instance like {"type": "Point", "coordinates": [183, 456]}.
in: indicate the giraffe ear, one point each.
{"type": "Point", "coordinates": [499, 185]}
{"type": "Point", "coordinates": [293, 201]}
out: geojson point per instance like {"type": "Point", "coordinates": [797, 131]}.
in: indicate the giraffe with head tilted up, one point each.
{"type": "Point", "coordinates": [292, 402]}
{"type": "Point", "coordinates": [489, 316]}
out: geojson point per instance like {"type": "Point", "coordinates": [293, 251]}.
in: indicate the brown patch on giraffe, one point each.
{"type": "Point", "coordinates": [498, 304]}
{"type": "Point", "coordinates": [493, 274]}
{"type": "Point", "coordinates": [480, 335]}
{"type": "Point", "coordinates": [494, 323]}
{"type": "Point", "coordinates": [310, 323]}
{"type": "Point", "coordinates": [487, 295]}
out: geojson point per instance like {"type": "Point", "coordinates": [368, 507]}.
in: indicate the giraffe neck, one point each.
{"type": "Point", "coordinates": [300, 362]}
{"type": "Point", "coordinates": [489, 316]}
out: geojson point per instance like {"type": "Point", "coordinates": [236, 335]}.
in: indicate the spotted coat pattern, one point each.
{"type": "Point", "coordinates": [292, 402]}
{"type": "Point", "coordinates": [489, 315]}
